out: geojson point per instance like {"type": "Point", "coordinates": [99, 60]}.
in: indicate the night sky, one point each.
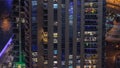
{"type": "Point", "coordinates": [5, 9]}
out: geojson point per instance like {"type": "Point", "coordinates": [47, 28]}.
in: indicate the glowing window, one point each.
{"type": "Point", "coordinates": [78, 61]}
{"type": "Point", "coordinates": [55, 51]}
{"type": "Point", "coordinates": [44, 36]}
{"type": "Point", "coordinates": [70, 56]}
{"type": "Point", "coordinates": [45, 62]}
{"type": "Point", "coordinates": [90, 39]}
{"type": "Point", "coordinates": [94, 66]}
{"type": "Point", "coordinates": [87, 66]}
{"type": "Point", "coordinates": [78, 66]}
{"type": "Point", "coordinates": [70, 62]}
{"type": "Point", "coordinates": [90, 33]}
{"type": "Point", "coordinates": [55, 41]}
{"type": "Point", "coordinates": [35, 59]}
{"type": "Point", "coordinates": [34, 3]}
{"type": "Point", "coordinates": [55, 35]}
{"type": "Point", "coordinates": [54, 56]}
{"type": "Point", "coordinates": [63, 62]}
{"type": "Point", "coordinates": [55, 62]}
{"type": "Point", "coordinates": [23, 20]}
{"type": "Point", "coordinates": [34, 54]}
{"type": "Point", "coordinates": [55, 6]}
{"type": "Point", "coordinates": [91, 10]}
{"type": "Point", "coordinates": [55, 67]}
{"type": "Point", "coordinates": [70, 66]}
{"type": "Point", "coordinates": [56, 23]}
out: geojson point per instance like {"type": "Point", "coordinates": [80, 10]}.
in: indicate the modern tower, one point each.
{"type": "Point", "coordinates": [22, 34]}
{"type": "Point", "coordinates": [70, 33]}
{"type": "Point", "coordinates": [58, 33]}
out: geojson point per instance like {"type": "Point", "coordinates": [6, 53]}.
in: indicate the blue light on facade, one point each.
{"type": "Point", "coordinates": [71, 13]}
{"type": "Point", "coordinates": [34, 48]}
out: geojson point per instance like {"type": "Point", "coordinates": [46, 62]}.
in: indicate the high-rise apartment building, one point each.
{"type": "Point", "coordinates": [24, 19]}
{"type": "Point", "coordinates": [70, 33]}
{"type": "Point", "coordinates": [22, 33]}
{"type": "Point", "coordinates": [60, 33]}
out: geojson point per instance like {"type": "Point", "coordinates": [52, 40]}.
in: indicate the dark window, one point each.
{"type": "Point", "coordinates": [55, 28]}
{"type": "Point", "coordinates": [90, 45]}
{"type": "Point", "coordinates": [45, 23]}
{"type": "Point", "coordinates": [63, 45]}
{"type": "Point", "coordinates": [90, 22]}
{"type": "Point", "coordinates": [91, 0]}
{"type": "Point", "coordinates": [78, 48]}
{"type": "Point", "coordinates": [45, 17]}
{"type": "Point", "coordinates": [45, 46]}
{"type": "Point", "coordinates": [90, 51]}
{"type": "Point", "coordinates": [45, 5]}
{"type": "Point", "coordinates": [90, 28]}
{"type": "Point", "coordinates": [55, 15]}
{"type": "Point", "coordinates": [91, 17]}
{"type": "Point", "coordinates": [16, 48]}
{"type": "Point", "coordinates": [55, 46]}
{"type": "Point", "coordinates": [34, 48]}
{"type": "Point", "coordinates": [45, 11]}
{"type": "Point", "coordinates": [45, 51]}
{"type": "Point", "coordinates": [15, 31]}
{"type": "Point", "coordinates": [45, 28]}
{"type": "Point", "coordinates": [63, 1]}
{"type": "Point", "coordinates": [16, 59]}
{"type": "Point", "coordinates": [63, 57]}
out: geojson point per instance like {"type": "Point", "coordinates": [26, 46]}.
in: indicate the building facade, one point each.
{"type": "Point", "coordinates": [70, 33]}
{"type": "Point", "coordinates": [58, 33]}
{"type": "Point", "coordinates": [22, 33]}
{"type": "Point", "coordinates": [34, 38]}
